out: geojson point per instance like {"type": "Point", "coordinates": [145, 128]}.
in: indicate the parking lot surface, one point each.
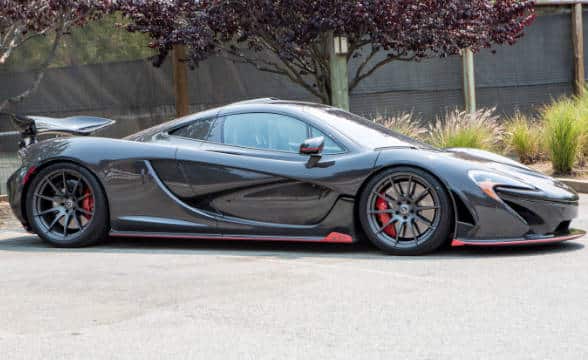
{"type": "Point", "coordinates": [162, 299]}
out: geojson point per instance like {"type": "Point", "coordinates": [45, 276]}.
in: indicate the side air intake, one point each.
{"type": "Point", "coordinates": [463, 213]}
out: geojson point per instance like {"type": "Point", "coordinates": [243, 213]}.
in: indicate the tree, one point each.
{"type": "Point", "coordinates": [96, 42]}
{"type": "Point", "coordinates": [289, 37]}
{"type": "Point", "coordinates": [22, 21]}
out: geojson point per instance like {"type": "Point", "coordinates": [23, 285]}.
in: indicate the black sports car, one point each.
{"type": "Point", "coordinates": [267, 169]}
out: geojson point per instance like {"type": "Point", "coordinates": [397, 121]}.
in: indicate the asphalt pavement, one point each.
{"type": "Point", "coordinates": [163, 299]}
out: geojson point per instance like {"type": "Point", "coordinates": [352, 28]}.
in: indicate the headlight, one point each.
{"type": "Point", "coordinates": [488, 181]}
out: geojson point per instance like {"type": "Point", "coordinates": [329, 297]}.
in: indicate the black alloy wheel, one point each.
{"type": "Point", "coordinates": [67, 207]}
{"type": "Point", "coordinates": [406, 211]}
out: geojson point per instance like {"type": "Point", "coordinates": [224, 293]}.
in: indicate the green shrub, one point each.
{"type": "Point", "coordinates": [583, 151]}
{"type": "Point", "coordinates": [524, 137]}
{"type": "Point", "coordinates": [563, 133]}
{"type": "Point", "coordinates": [584, 141]}
{"type": "Point", "coordinates": [404, 123]}
{"type": "Point", "coordinates": [461, 129]}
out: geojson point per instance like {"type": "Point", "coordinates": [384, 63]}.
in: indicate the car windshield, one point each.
{"type": "Point", "coordinates": [363, 131]}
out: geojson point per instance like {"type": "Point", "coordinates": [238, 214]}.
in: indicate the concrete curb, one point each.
{"type": "Point", "coordinates": [580, 186]}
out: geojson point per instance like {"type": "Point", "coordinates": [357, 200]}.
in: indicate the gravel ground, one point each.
{"type": "Point", "coordinates": [160, 299]}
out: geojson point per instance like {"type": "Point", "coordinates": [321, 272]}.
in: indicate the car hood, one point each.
{"type": "Point", "coordinates": [547, 187]}
{"type": "Point", "coordinates": [484, 156]}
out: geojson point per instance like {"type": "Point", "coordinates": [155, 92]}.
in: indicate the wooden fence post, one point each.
{"type": "Point", "coordinates": [180, 74]}
{"type": "Point", "coordinates": [578, 43]}
{"type": "Point", "coordinates": [469, 82]}
{"type": "Point", "coordinates": [338, 71]}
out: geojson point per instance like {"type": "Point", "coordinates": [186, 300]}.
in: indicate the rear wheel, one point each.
{"type": "Point", "coordinates": [406, 211]}
{"type": "Point", "coordinates": [67, 207]}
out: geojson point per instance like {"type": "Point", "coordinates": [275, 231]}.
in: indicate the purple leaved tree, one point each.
{"type": "Point", "coordinates": [23, 20]}
{"type": "Point", "coordinates": [288, 37]}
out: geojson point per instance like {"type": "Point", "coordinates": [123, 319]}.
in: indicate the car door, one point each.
{"type": "Point", "coordinates": [251, 173]}
{"type": "Point", "coordinates": [200, 219]}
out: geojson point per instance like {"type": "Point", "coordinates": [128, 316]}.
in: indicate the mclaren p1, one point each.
{"type": "Point", "coordinates": [268, 169]}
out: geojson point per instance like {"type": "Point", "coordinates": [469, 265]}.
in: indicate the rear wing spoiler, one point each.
{"type": "Point", "coordinates": [32, 126]}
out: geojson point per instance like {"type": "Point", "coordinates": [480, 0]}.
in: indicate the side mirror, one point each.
{"type": "Point", "coordinates": [312, 146]}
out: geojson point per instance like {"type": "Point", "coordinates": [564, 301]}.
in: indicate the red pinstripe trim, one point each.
{"type": "Point", "coordinates": [306, 150]}
{"type": "Point", "coordinates": [28, 175]}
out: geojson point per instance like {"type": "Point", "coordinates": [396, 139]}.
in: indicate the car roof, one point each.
{"type": "Point", "coordinates": [292, 107]}
{"type": "Point", "coordinates": [269, 101]}
{"type": "Point", "coordinates": [288, 107]}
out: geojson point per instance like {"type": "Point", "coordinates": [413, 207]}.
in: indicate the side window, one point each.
{"type": "Point", "coordinates": [264, 131]}
{"type": "Point", "coordinates": [331, 147]}
{"type": "Point", "coordinates": [198, 130]}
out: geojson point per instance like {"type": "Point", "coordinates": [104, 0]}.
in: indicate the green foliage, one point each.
{"type": "Point", "coordinates": [96, 42]}
{"type": "Point", "coordinates": [405, 123]}
{"type": "Point", "coordinates": [524, 137]}
{"type": "Point", "coordinates": [460, 129]}
{"type": "Point", "coordinates": [582, 106]}
{"type": "Point", "coordinates": [584, 140]}
{"type": "Point", "coordinates": [563, 133]}
{"type": "Point", "coordinates": [290, 38]}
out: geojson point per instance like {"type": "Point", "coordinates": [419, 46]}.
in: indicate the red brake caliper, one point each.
{"type": "Point", "coordinates": [88, 203]}
{"type": "Point", "coordinates": [381, 204]}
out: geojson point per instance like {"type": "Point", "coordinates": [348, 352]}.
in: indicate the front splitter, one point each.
{"type": "Point", "coordinates": [573, 234]}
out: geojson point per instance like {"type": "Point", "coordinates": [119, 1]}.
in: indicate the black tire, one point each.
{"type": "Point", "coordinates": [390, 207]}
{"type": "Point", "coordinates": [66, 206]}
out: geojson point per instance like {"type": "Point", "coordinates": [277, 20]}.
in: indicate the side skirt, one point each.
{"type": "Point", "coordinates": [333, 237]}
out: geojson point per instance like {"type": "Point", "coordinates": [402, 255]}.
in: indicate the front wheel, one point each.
{"type": "Point", "coordinates": [66, 206]}
{"type": "Point", "coordinates": [406, 211]}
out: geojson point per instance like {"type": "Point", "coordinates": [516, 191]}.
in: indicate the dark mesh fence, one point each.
{"type": "Point", "coordinates": [524, 76]}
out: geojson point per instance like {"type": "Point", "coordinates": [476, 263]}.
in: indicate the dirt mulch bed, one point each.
{"type": "Point", "coordinates": [7, 219]}
{"type": "Point", "coordinates": [546, 168]}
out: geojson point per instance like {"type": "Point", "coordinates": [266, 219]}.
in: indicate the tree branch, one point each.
{"type": "Point", "coordinates": [40, 72]}
{"type": "Point", "coordinates": [13, 35]}
{"type": "Point", "coordinates": [272, 68]}
{"type": "Point", "coordinates": [358, 78]}
{"type": "Point", "coordinates": [356, 46]}
{"type": "Point", "coordinates": [364, 63]}
{"type": "Point", "coordinates": [256, 63]}
{"type": "Point", "coordinates": [297, 78]}
{"type": "Point", "coordinates": [287, 68]}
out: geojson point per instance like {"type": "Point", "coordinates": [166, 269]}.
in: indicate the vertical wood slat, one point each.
{"type": "Point", "coordinates": [180, 75]}
{"type": "Point", "coordinates": [578, 44]}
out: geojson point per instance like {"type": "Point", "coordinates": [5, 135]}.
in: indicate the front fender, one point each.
{"type": "Point", "coordinates": [489, 218]}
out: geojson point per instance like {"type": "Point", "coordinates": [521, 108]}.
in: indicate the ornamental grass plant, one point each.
{"type": "Point", "coordinates": [458, 128]}
{"type": "Point", "coordinates": [523, 136]}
